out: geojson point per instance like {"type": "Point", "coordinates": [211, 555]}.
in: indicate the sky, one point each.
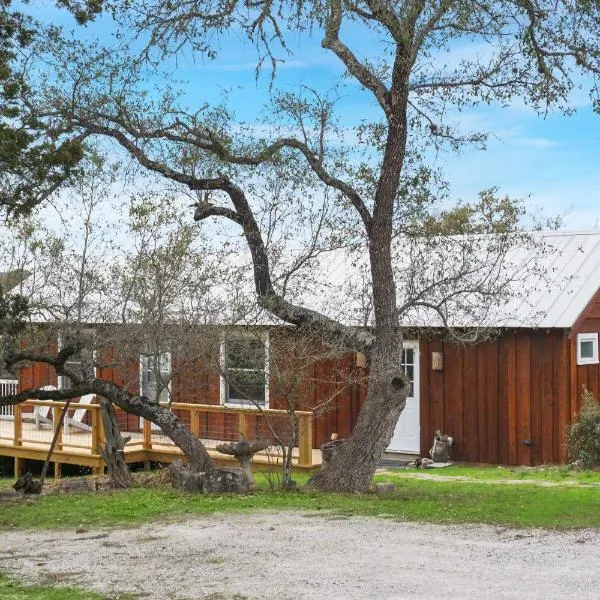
{"type": "Point", "coordinates": [553, 163]}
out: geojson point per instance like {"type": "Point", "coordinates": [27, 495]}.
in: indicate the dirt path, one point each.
{"type": "Point", "coordinates": [289, 556]}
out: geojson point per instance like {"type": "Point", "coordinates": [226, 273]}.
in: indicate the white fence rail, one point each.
{"type": "Point", "coordinates": [7, 387]}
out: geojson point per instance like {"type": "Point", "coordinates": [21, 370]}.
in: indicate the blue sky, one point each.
{"type": "Point", "coordinates": [553, 163]}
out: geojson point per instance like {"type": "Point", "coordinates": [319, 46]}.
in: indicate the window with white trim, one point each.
{"type": "Point", "coordinates": [155, 376]}
{"type": "Point", "coordinates": [244, 371]}
{"type": "Point", "coordinates": [587, 349]}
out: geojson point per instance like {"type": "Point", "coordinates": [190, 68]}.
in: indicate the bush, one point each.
{"type": "Point", "coordinates": [583, 437]}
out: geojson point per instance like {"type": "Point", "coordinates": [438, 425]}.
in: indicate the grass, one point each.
{"type": "Point", "coordinates": [560, 507]}
{"type": "Point", "coordinates": [554, 474]}
{"type": "Point", "coordinates": [12, 590]}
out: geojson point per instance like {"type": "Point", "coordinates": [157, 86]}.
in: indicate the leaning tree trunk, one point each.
{"type": "Point", "coordinates": [113, 452]}
{"type": "Point", "coordinates": [192, 448]}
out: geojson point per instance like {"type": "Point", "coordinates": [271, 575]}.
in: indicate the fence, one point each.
{"type": "Point", "coordinates": [8, 387]}
{"type": "Point", "coordinates": [29, 432]}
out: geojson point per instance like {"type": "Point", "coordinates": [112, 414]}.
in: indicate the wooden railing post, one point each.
{"type": "Point", "coordinates": [305, 440]}
{"type": "Point", "coordinates": [147, 430]}
{"type": "Point", "coordinates": [242, 424]}
{"type": "Point", "coordinates": [195, 422]}
{"type": "Point", "coordinates": [96, 424]}
{"type": "Point", "coordinates": [18, 425]}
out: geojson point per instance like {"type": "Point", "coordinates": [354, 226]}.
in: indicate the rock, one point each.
{"type": "Point", "coordinates": [68, 486]}
{"type": "Point", "coordinates": [385, 489]}
{"type": "Point", "coordinates": [178, 473]}
{"type": "Point", "coordinates": [232, 480]}
{"type": "Point", "coordinates": [217, 481]}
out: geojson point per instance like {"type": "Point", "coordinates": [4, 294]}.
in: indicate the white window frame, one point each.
{"type": "Point", "coordinates": [169, 358]}
{"type": "Point", "coordinates": [154, 426]}
{"type": "Point", "coordinates": [588, 337]}
{"type": "Point", "coordinates": [264, 337]}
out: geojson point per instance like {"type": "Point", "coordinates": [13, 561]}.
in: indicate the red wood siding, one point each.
{"type": "Point", "coordinates": [494, 396]}
{"type": "Point", "coordinates": [587, 375]}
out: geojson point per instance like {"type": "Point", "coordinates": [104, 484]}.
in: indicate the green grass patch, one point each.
{"type": "Point", "coordinates": [415, 500]}
{"type": "Point", "coordinates": [12, 590]}
{"type": "Point", "coordinates": [550, 473]}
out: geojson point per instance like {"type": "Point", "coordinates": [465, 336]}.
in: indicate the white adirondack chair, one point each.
{"type": "Point", "coordinates": [77, 419]}
{"type": "Point", "coordinates": [41, 413]}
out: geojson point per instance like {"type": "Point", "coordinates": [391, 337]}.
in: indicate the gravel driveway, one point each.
{"type": "Point", "coordinates": [283, 556]}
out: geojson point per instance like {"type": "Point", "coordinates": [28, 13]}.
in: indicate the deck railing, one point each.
{"type": "Point", "coordinates": [34, 423]}
{"type": "Point", "coordinates": [8, 387]}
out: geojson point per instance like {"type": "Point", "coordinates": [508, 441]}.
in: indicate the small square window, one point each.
{"type": "Point", "coordinates": [587, 349]}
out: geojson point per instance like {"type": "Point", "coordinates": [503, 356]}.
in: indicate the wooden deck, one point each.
{"type": "Point", "coordinates": [22, 436]}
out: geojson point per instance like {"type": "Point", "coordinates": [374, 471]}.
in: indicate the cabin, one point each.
{"type": "Point", "coordinates": [506, 399]}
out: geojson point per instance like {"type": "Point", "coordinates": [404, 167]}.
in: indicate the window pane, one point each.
{"type": "Point", "coordinates": [245, 354]}
{"type": "Point", "coordinates": [586, 349]}
{"type": "Point", "coordinates": [246, 386]}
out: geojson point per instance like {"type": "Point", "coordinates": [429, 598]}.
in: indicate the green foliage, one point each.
{"type": "Point", "coordinates": [583, 437]}
{"type": "Point", "coordinates": [34, 160]}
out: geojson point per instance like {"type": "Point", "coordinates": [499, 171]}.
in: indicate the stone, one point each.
{"type": "Point", "coordinates": [216, 481]}
{"type": "Point", "coordinates": [232, 480]}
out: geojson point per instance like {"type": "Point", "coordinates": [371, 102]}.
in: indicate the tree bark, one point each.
{"type": "Point", "coordinates": [114, 447]}
{"type": "Point", "coordinates": [354, 465]}
{"type": "Point", "coordinates": [190, 445]}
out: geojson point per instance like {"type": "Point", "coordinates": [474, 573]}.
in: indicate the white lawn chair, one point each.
{"type": "Point", "coordinates": [77, 419]}
{"type": "Point", "coordinates": [41, 413]}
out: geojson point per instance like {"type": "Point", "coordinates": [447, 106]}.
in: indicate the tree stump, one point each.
{"type": "Point", "coordinates": [27, 485]}
{"type": "Point", "coordinates": [244, 451]}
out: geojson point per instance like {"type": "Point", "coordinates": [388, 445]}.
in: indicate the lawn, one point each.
{"type": "Point", "coordinates": [550, 473]}
{"type": "Point", "coordinates": [525, 505]}
{"type": "Point", "coordinates": [12, 590]}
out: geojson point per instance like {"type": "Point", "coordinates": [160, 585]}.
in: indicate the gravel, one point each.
{"type": "Point", "coordinates": [294, 556]}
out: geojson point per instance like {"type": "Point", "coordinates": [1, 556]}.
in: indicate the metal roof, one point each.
{"type": "Point", "coordinates": [546, 283]}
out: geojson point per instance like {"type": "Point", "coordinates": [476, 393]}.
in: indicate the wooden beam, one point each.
{"type": "Point", "coordinates": [305, 440]}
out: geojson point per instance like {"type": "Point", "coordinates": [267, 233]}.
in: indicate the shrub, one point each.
{"type": "Point", "coordinates": [583, 436]}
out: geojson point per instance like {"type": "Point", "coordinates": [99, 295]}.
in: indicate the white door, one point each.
{"type": "Point", "coordinates": [406, 436]}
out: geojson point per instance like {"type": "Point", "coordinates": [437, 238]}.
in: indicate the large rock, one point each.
{"type": "Point", "coordinates": [217, 481]}
{"type": "Point", "coordinates": [232, 480]}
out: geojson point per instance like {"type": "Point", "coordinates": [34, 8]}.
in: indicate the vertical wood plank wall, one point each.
{"type": "Point", "coordinates": [524, 386]}
{"type": "Point", "coordinates": [507, 401]}
{"type": "Point", "coordinates": [589, 322]}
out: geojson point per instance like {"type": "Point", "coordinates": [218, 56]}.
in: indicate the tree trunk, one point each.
{"type": "Point", "coordinates": [182, 437]}
{"type": "Point", "coordinates": [113, 452]}
{"type": "Point", "coordinates": [353, 466]}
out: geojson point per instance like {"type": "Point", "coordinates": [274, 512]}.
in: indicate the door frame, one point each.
{"type": "Point", "coordinates": [414, 345]}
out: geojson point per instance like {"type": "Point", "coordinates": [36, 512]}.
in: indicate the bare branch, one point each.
{"type": "Point", "coordinates": [363, 74]}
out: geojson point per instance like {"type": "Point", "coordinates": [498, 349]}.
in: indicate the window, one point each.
{"type": "Point", "coordinates": [155, 376]}
{"type": "Point", "coordinates": [587, 349]}
{"type": "Point", "coordinates": [408, 365]}
{"type": "Point", "coordinates": [244, 377]}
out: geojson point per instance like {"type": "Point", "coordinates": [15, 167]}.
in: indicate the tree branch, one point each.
{"type": "Point", "coordinates": [363, 74]}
